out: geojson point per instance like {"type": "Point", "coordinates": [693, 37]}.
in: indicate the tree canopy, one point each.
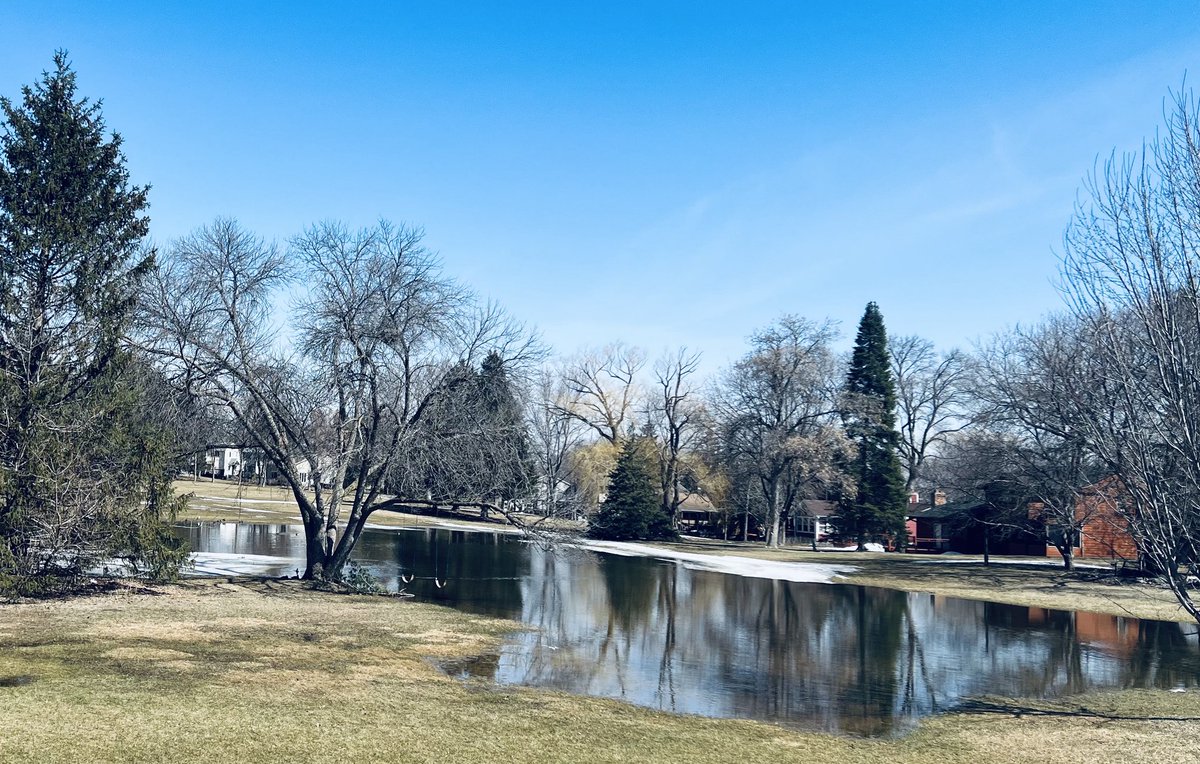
{"type": "Point", "coordinates": [83, 472]}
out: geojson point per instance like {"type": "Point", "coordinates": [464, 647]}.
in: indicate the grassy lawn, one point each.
{"type": "Point", "coordinates": [222, 500]}
{"type": "Point", "coordinates": [217, 671]}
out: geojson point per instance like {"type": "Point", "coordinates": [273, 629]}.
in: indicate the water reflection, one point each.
{"type": "Point", "coordinates": [842, 658]}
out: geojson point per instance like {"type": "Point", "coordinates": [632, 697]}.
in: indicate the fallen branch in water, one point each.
{"type": "Point", "coordinates": [533, 529]}
{"type": "Point", "coordinates": [987, 707]}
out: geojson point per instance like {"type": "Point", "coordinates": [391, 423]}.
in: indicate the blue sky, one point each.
{"type": "Point", "coordinates": [658, 173]}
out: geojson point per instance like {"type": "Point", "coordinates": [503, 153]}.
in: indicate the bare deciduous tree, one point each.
{"type": "Point", "coordinates": [555, 437]}
{"type": "Point", "coordinates": [378, 331]}
{"type": "Point", "coordinates": [1037, 387]}
{"type": "Point", "coordinates": [931, 400]}
{"type": "Point", "coordinates": [771, 407]}
{"type": "Point", "coordinates": [1131, 272]}
{"type": "Point", "coordinates": [603, 389]}
{"type": "Point", "coordinates": [672, 413]}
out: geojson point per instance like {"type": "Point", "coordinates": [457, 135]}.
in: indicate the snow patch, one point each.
{"type": "Point", "coordinates": [230, 564]}
{"type": "Point", "coordinates": [234, 500]}
{"type": "Point", "coordinates": [751, 567]}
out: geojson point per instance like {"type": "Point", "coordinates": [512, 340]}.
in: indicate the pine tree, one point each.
{"type": "Point", "coordinates": [507, 454]}
{"type": "Point", "coordinates": [83, 469]}
{"type": "Point", "coordinates": [632, 510]}
{"type": "Point", "coordinates": [876, 509]}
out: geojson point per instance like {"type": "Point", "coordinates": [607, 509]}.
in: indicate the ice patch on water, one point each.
{"type": "Point", "coordinates": [230, 564]}
{"type": "Point", "coordinates": [751, 567]}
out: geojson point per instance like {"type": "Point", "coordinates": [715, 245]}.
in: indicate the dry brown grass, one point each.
{"type": "Point", "coordinates": [225, 500]}
{"type": "Point", "coordinates": [218, 671]}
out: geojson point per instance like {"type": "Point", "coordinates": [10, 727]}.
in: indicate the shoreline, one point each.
{"type": "Point", "coordinates": [1025, 582]}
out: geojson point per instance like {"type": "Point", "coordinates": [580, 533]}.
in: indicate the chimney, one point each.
{"type": "Point", "coordinates": [939, 498]}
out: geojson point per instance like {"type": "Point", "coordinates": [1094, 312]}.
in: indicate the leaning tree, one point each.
{"type": "Point", "coordinates": [377, 339]}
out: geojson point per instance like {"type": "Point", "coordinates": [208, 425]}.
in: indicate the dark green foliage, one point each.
{"type": "Point", "coordinates": [473, 445]}
{"type": "Point", "coordinates": [83, 469]}
{"type": "Point", "coordinates": [876, 510]}
{"type": "Point", "coordinates": [633, 509]}
{"type": "Point", "coordinates": [506, 455]}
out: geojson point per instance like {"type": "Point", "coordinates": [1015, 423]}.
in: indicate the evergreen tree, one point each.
{"type": "Point", "coordinates": [507, 453]}
{"type": "Point", "coordinates": [876, 509]}
{"type": "Point", "coordinates": [632, 510]}
{"type": "Point", "coordinates": [84, 472]}
{"type": "Point", "coordinates": [473, 444]}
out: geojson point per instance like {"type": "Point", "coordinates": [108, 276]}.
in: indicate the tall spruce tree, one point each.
{"type": "Point", "coordinates": [83, 469]}
{"type": "Point", "coordinates": [876, 510]}
{"type": "Point", "coordinates": [632, 510]}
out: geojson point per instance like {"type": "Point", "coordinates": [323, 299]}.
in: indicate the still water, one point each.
{"type": "Point", "coordinates": [835, 657]}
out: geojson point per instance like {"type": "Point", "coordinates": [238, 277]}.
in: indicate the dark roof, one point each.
{"type": "Point", "coordinates": [940, 511]}
{"type": "Point", "coordinates": [818, 507]}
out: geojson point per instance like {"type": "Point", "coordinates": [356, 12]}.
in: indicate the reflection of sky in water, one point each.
{"type": "Point", "coordinates": [824, 656]}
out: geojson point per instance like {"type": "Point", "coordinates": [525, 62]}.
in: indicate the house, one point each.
{"type": "Point", "coordinates": [936, 526]}
{"type": "Point", "coordinates": [550, 498]}
{"type": "Point", "coordinates": [223, 461]}
{"type": "Point", "coordinates": [1103, 531]}
{"type": "Point", "coordinates": [815, 518]}
{"type": "Point", "coordinates": [698, 515]}
{"type": "Point", "coordinates": [302, 467]}
{"type": "Point", "coordinates": [928, 523]}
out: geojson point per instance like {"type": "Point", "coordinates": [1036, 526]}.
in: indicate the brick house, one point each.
{"type": "Point", "coordinates": [1104, 532]}
{"type": "Point", "coordinates": [935, 526]}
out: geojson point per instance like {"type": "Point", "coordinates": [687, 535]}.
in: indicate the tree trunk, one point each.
{"type": "Point", "coordinates": [773, 516]}
{"type": "Point", "coordinates": [314, 548]}
{"type": "Point", "coordinates": [987, 549]}
{"type": "Point", "coordinates": [341, 555]}
{"type": "Point", "coordinates": [316, 559]}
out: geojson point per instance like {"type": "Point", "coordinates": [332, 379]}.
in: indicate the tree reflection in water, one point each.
{"type": "Point", "coordinates": [834, 657]}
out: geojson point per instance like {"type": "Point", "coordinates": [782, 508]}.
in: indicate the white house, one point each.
{"type": "Point", "coordinates": [223, 461]}
{"type": "Point", "coordinates": [815, 516]}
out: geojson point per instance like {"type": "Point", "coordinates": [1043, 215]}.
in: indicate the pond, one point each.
{"type": "Point", "coordinates": [835, 657]}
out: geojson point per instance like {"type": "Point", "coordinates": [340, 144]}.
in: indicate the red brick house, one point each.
{"type": "Point", "coordinates": [1104, 533]}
